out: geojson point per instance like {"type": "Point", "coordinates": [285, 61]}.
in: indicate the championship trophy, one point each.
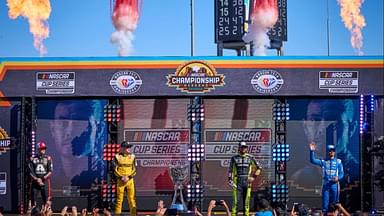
{"type": "Point", "coordinates": [179, 175]}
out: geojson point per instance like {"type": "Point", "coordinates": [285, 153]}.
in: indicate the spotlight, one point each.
{"type": "Point", "coordinates": [195, 193]}
{"type": "Point", "coordinates": [196, 112]}
{"type": "Point", "coordinates": [109, 151]}
{"type": "Point", "coordinates": [108, 192]}
{"type": "Point", "coordinates": [372, 103]}
{"type": "Point", "coordinates": [112, 113]}
{"type": "Point", "coordinates": [279, 193]}
{"type": "Point", "coordinates": [280, 112]}
{"type": "Point", "coordinates": [280, 152]}
{"type": "Point", "coordinates": [33, 142]}
{"type": "Point", "coordinates": [361, 114]}
{"type": "Point", "coordinates": [196, 152]}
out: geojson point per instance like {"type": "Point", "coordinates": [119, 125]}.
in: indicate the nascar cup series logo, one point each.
{"type": "Point", "coordinates": [125, 82]}
{"type": "Point", "coordinates": [195, 77]}
{"type": "Point", "coordinates": [267, 81]}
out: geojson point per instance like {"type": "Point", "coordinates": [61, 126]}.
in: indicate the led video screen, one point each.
{"type": "Point", "coordinates": [75, 132]}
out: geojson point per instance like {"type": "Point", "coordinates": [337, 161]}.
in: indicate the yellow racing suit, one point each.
{"type": "Point", "coordinates": [125, 167]}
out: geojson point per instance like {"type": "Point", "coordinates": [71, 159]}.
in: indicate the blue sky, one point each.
{"type": "Point", "coordinates": [83, 29]}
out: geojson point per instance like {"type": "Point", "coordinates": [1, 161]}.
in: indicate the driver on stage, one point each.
{"type": "Point", "coordinates": [242, 172]}
{"type": "Point", "coordinates": [40, 169]}
{"type": "Point", "coordinates": [125, 169]}
{"type": "Point", "coordinates": [333, 172]}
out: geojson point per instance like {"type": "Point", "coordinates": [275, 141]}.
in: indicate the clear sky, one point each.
{"type": "Point", "coordinates": [82, 28]}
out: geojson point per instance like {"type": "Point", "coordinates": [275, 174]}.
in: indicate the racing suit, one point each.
{"type": "Point", "coordinates": [125, 167]}
{"type": "Point", "coordinates": [331, 189]}
{"type": "Point", "coordinates": [242, 168]}
{"type": "Point", "coordinates": [40, 167]}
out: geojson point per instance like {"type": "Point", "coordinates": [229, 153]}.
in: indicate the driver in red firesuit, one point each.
{"type": "Point", "coordinates": [40, 170]}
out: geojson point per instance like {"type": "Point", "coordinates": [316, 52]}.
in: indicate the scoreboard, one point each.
{"type": "Point", "coordinates": [279, 30]}
{"type": "Point", "coordinates": [230, 20]}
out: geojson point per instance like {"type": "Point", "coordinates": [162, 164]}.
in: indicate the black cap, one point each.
{"type": "Point", "coordinates": [125, 144]}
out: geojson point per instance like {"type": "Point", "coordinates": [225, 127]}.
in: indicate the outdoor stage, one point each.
{"type": "Point", "coordinates": [169, 108]}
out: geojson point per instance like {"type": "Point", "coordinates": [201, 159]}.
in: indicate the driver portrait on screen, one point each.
{"type": "Point", "coordinates": [77, 131]}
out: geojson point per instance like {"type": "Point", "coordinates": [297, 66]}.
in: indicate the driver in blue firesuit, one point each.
{"type": "Point", "coordinates": [332, 168]}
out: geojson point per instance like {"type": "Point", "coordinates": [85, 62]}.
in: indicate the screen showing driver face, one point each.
{"type": "Point", "coordinates": [75, 132]}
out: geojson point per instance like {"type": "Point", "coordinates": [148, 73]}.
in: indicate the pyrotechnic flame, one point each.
{"type": "Point", "coordinates": [264, 16]}
{"type": "Point", "coordinates": [125, 17]}
{"type": "Point", "coordinates": [37, 12]}
{"type": "Point", "coordinates": [353, 21]}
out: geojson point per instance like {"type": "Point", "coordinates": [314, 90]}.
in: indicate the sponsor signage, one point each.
{"type": "Point", "coordinates": [3, 183]}
{"type": "Point", "coordinates": [159, 147]}
{"type": "Point", "coordinates": [5, 141]}
{"type": "Point", "coordinates": [56, 82]}
{"type": "Point", "coordinates": [125, 82]}
{"type": "Point", "coordinates": [339, 81]}
{"type": "Point", "coordinates": [267, 81]}
{"type": "Point", "coordinates": [195, 77]}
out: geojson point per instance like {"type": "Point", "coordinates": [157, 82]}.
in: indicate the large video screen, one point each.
{"type": "Point", "coordinates": [324, 122]}
{"type": "Point", "coordinates": [75, 132]}
{"type": "Point", "coordinates": [229, 121]}
{"type": "Point", "coordinates": [160, 134]}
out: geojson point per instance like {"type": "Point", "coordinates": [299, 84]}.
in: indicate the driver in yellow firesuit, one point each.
{"type": "Point", "coordinates": [125, 169]}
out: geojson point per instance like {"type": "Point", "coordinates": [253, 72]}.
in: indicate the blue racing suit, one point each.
{"type": "Point", "coordinates": [331, 189]}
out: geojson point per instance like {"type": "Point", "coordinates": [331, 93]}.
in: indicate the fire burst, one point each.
{"type": "Point", "coordinates": [37, 12]}
{"type": "Point", "coordinates": [264, 17]}
{"type": "Point", "coordinates": [125, 17]}
{"type": "Point", "coordinates": [353, 21]}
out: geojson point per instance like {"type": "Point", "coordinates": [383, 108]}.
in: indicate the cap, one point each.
{"type": "Point", "coordinates": [42, 145]}
{"type": "Point", "coordinates": [242, 144]}
{"type": "Point", "coordinates": [125, 144]}
{"type": "Point", "coordinates": [331, 148]}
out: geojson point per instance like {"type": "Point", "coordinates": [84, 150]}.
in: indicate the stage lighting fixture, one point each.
{"type": "Point", "coordinates": [33, 142]}
{"type": "Point", "coordinates": [280, 152]}
{"type": "Point", "coordinates": [196, 152]}
{"type": "Point", "coordinates": [108, 192]}
{"type": "Point", "coordinates": [109, 151]}
{"type": "Point", "coordinates": [279, 193]}
{"type": "Point", "coordinates": [372, 103]}
{"type": "Point", "coordinates": [361, 114]}
{"type": "Point", "coordinates": [280, 111]}
{"type": "Point", "coordinates": [195, 193]}
{"type": "Point", "coordinates": [196, 112]}
{"type": "Point", "coordinates": [112, 113]}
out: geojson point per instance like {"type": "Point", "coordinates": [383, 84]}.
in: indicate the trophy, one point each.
{"type": "Point", "coordinates": [179, 174]}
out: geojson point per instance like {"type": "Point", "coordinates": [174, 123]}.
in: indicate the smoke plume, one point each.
{"type": "Point", "coordinates": [264, 16]}
{"type": "Point", "coordinates": [37, 12]}
{"type": "Point", "coordinates": [354, 21]}
{"type": "Point", "coordinates": [125, 17]}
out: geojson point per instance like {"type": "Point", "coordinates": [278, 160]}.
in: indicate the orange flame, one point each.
{"type": "Point", "coordinates": [37, 12]}
{"type": "Point", "coordinates": [353, 21]}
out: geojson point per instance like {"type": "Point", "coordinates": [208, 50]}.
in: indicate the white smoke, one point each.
{"type": "Point", "coordinates": [123, 40]}
{"type": "Point", "coordinates": [262, 22]}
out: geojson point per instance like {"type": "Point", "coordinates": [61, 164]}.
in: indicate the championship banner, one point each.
{"type": "Point", "coordinates": [186, 76]}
